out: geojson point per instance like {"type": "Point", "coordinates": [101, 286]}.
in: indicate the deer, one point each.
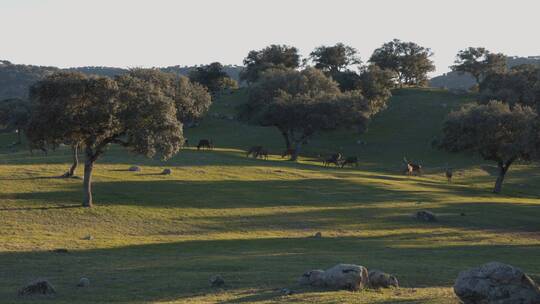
{"type": "Point", "coordinates": [352, 160]}
{"type": "Point", "coordinates": [333, 159]}
{"type": "Point", "coordinates": [254, 151]}
{"type": "Point", "coordinates": [263, 153]}
{"type": "Point", "coordinates": [205, 143]}
{"type": "Point", "coordinates": [449, 173]}
{"type": "Point", "coordinates": [412, 168]}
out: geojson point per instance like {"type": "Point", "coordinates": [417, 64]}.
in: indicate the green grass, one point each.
{"type": "Point", "coordinates": [158, 239]}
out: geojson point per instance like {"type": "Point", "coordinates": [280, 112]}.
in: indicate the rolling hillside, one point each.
{"type": "Point", "coordinates": [158, 239]}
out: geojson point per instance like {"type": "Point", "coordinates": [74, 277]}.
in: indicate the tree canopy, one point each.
{"type": "Point", "coordinates": [303, 103]}
{"type": "Point", "coordinates": [213, 77]}
{"type": "Point", "coordinates": [496, 131]}
{"type": "Point", "coordinates": [14, 115]}
{"type": "Point", "coordinates": [479, 62]}
{"type": "Point", "coordinates": [271, 57]}
{"type": "Point", "coordinates": [99, 111]}
{"type": "Point", "coordinates": [520, 85]}
{"type": "Point", "coordinates": [336, 58]}
{"type": "Point", "coordinates": [409, 61]}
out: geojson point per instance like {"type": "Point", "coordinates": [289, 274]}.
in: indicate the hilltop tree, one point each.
{"type": "Point", "coordinates": [335, 58]}
{"type": "Point", "coordinates": [271, 57]}
{"type": "Point", "coordinates": [496, 131]}
{"type": "Point", "coordinates": [376, 85]}
{"type": "Point", "coordinates": [99, 111]}
{"type": "Point", "coordinates": [520, 85]}
{"type": "Point", "coordinates": [335, 62]}
{"type": "Point", "coordinates": [409, 61]}
{"type": "Point", "coordinates": [479, 62]}
{"type": "Point", "coordinates": [213, 77]}
{"type": "Point", "coordinates": [14, 115]}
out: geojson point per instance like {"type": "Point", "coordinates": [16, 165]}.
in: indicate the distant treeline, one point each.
{"type": "Point", "coordinates": [457, 81]}
{"type": "Point", "coordinates": [15, 79]}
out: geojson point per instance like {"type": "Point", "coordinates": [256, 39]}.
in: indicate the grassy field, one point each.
{"type": "Point", "coordinates": [158, 239]}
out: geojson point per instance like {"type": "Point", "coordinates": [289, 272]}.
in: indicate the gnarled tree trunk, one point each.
{"type": "Point", "coordinates": [297, 148]}
{"type": "Point", "coordinates": [287, 139]}
{"type": "Point", "coordinates": [87, 183]}
{"type": "Point", "coordinates": [75, 155]}
{"type": "Point", "coordinates": [503, 168]}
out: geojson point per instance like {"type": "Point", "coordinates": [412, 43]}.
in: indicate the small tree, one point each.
{"type": "Point", "coordinates": [14, 116]}
{"type": "Point", "coordinates": [335, 58]}
{"type": "Point", "coordinates": [409, 61]}
{"type": "Point", "coordinates": [271, 57]}
{"type": "Point", "coordinates": [479, 62]}
{"type": "Point", "coordinates": [99, 111]}
{"type": "Point", "coordinates": [496, 131]}
{"type": "Point", "coordinates": [213, 77]}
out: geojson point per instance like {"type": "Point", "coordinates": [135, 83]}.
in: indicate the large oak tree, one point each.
{"type": "Point", "coordinates": [479, 62]}
{"type": "Point", "coordinates": [99, 111]}
{"type": "Point", "coordinates": [496, 131]}
{"type": "Point", "coordinates": [271, 57]}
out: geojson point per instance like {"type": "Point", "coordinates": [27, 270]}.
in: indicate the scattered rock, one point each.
{"type": "Point", "coordinates": [40, 286]}
{"type": "Point", "coordinates": [60, 250]}
{"type": "Point", "coordinates": [135, 169]}
{"type": "Point", "coordinates": [217, 281]}
{"type": "Point", "coordinates": [84, 282]}
{"type": "Point", "coordinates": [379, 279]}
{"type": "Point", "coordinates": [166, 171]}
{"type": "Point", "coordinates": [312, 278]}
{"type": "Point", "coordinates": [88, 238]}
{"type": "Point", "coordinates": [318, 235]}
{"type": "Point", "coordinates": [346, 276]}
{"type": "Point", "coordinates": [425, 216]}
{"type": "Point", "coordinates": [496, 283]}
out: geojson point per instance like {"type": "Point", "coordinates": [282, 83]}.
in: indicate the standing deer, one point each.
{"type": "Point", "coordinates": [205, 143]}
{"type": "Point", "coordinates": [352, 160]}
{"type": "Point", "coordinates": [412, 168]}
{"type": "Point", "coordinates": [449, 173]}
{"type": "Point", "coordinates": [333, 159]}
{"type": "Point", "coordinates": [254, 151]}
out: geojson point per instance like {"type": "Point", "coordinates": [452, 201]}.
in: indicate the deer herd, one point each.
{"type": "Point", "coordinates": [336, 159]}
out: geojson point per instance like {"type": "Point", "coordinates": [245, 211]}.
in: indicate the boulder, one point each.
{"type": "Point", "coordinates": [217, 281]}
{"type": "Point", "coordinates": [318, 235]}
{"type": "Point", "coordinates": [425, 216]}
{"type": "Point", "coordinates": [83, 282]}
{"type": "Point", "coordinates": [496, 283]}
{"type": "Point", "coordinates": [346, 276]}
{"type": "Point", "coordinates": [166, 171]}
{"type": "Point", "coordinates": [379, 279]}
{"type": "Point", "coordinates": [37, 287]}
{"type": "Point", "coordinates": [134, 169]}
{"type": "Point", "coordinates": [312, 278]}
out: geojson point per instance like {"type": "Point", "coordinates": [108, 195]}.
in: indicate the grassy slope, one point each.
{"type": "Point", "coordinates": [159, 238]}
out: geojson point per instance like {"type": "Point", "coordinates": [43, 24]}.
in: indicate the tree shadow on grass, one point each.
{"type": "Point", "coordinates": [180, 270]}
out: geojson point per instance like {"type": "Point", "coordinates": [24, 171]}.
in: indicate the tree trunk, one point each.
{"type": "Point", "coordinates": [297, 147]}
{"type": "Point", "coordinates": [287, 140]}
{"type": "Point", "coordinates": [87, 183]}
{"type": "Point", "coordinates": [503, 168]}
{"type": "Point", "coordinates": [75, 154]}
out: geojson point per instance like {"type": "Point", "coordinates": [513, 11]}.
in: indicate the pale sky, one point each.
{"type": "Point", "coordinates": [145, 33]}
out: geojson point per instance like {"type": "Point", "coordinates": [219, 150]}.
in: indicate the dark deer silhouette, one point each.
{"type": "Point", "coordinates": [205, 143]}
{"type": "Point", "coordinates": [254, 151]}
{"type": "Point", "coordinates": [333, 159]}
{"type": "Point", "coordinates": [352, 160]}
{"type": "Point", "coordinates": [263, 153]}
{"type": "Point", "coordinates": [449, 173]}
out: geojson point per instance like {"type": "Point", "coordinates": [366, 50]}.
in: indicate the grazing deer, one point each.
{"type": "Point", "coordinates": [205, 143]}
{"type": "Point", "coordinates": [288, 152]}
{"type": "Point", "coordinates": [254, 151]}
{"type": "Point", "coordinates": [263, 153]}
{"type": "Point", "coordinates": [352, 160]}
{"type": "Point", "coordinates": [449, 173]}
{"type": "Point", "coordinates": [412, 168]}
{"type": "Point", "coordinates": [333, 159]}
